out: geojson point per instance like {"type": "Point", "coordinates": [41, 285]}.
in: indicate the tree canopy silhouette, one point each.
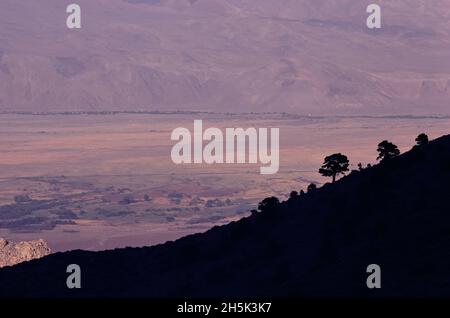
{"type": "Point", "coordinates": [311, 188]}
{"type": "Point", "coordinates": [387, 150]}
{"type": "Point", "coordinates": [268, 204]}
{"type": "Point", "coordinates": [334, 165]}
{"type": "Point", "coordinates": [422, 139]}
{"type": "Point", "coordinates": [293, 194]}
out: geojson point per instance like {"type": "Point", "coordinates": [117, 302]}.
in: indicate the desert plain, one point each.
{"type": "Point", "coordinates": [99, 181]}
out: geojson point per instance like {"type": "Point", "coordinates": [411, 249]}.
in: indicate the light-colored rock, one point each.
{"type": "Point", "coordinates": [13, 253]}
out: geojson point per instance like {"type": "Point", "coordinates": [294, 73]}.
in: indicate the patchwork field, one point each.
{"type": "Point", "coordinates": [99, 181]}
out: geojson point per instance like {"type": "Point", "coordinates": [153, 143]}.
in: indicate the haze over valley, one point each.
{"type": "Point", "coordinates": [105, 181]}
{"type": "Point", "coordinates": [86, 115]}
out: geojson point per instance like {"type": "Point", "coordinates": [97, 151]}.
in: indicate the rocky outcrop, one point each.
{"type": "Point", "coordinates": [13, 253]}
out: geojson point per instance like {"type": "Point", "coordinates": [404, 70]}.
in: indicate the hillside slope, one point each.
{"type": "Point", "coordinates": [395, 214]}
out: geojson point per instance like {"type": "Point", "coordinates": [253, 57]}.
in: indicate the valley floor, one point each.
{"type": "Point", "coordinates": [103, 181]}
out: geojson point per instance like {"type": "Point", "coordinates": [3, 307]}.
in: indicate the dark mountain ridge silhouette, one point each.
{"type": "Point", "coordinates": [395, 214]}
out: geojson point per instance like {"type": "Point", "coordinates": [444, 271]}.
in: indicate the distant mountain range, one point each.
{"type": "Point", "coordinates": [299, 56]}
{"type": "Point", "coordinates": [318, 244]}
